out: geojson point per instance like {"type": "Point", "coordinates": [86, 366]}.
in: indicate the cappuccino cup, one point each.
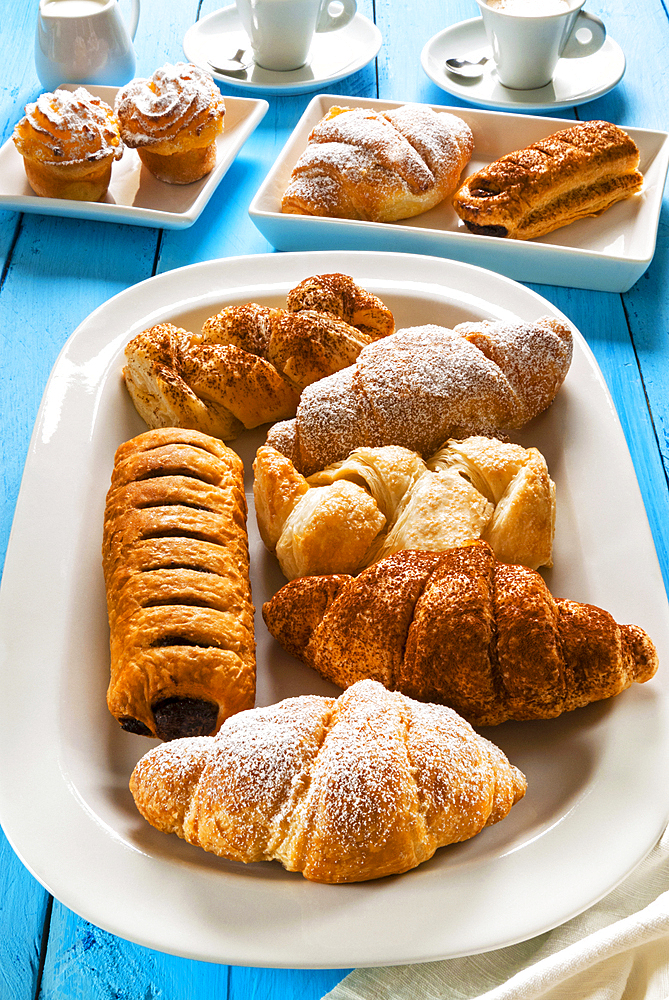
{"type": "Point", "coordinates": [528, 37]}
{"type": "Point", "coordinates": [281, 31]}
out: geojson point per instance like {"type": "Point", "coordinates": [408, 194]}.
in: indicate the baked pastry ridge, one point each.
{"type": "Point", "coordinates": [172, 120]}
{"type": "Point", "coordinates": [379, 166]}
{"type": "Point", "coordinates": [69, 141]}
{"type": "Point", "coordinates": [175, 560]}
{"type": "Point", "coordinates": [343, 790]}
{"type": "Point", "coordinates": [425, 384]}
{"type": "Point", "coordinates": [572, 174]}
{"type": "Point", "coordinates": [460, 628]}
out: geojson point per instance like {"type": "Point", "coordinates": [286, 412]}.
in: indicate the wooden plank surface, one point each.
{"type": "Point", "coordinates": [56, 271]}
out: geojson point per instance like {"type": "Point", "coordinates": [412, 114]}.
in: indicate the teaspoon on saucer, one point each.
{"type": "Point", "coordinates": [463, 67]}
{"type": "Point", "coordinates": [239, 63]}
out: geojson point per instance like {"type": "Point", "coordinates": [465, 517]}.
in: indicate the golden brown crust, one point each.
{"type": "Point", "coordinates": [69, 141]}
{"type": "Point", "coordinates": [459, 628]}
{"type": "Point", "coordinates": [378, 165]}
{"type": "Point", "coordinates": [572, 174]}
{"type": "Point", "coordinates": [175, 560]}
{"type": "Point", "coordinates": [250, 363]}
{"type": "Point", "coordinates": [380, 500]}
{"type": "Point", "coordinates": [173, 119]}
{"type": "Point", "coordinates": [425, 384]}
{"type": "Point", "coordinates": [346, 790]}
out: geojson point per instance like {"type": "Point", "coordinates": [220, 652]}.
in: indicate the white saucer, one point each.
{"type": "Point", "coordinates": [576, 80]}
{"type": "Point", "coordinates": [334, 54]}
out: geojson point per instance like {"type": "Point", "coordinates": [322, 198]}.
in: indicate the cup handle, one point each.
{"type": "Point", "coordinates": [134, 19]}
{"type": "Point", "coordinates": [575, 49]}
{"type": "Point", "coordinates": [339, 18]}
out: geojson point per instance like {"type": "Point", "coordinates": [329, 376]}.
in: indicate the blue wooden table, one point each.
{"type": "Point", "coordinates": [55, 271]}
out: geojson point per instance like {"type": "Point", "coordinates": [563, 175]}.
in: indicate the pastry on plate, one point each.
{"type": "Point", "coordinates": [577, 172]}
{"type": "Point", "coordinates": [176, 568]}
{"type": "Point", "coordinates": [173, 120]}
{"type": "Point", "coordinates": [425, 384]}
{"type": "Point", "coordinates": [461, 629]}
{"type": "Point", "coordinates": [69, 141]}
{"type": "Point", "coordinates": [380, 500]}
{"type": "Point", "coordinates": [249, 363]}
{"type": "Point", "coordinates": [343, 790]}
{"type": "Point", "coordinates": [379, 165]}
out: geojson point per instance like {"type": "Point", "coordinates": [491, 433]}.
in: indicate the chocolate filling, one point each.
{"type": "Point", "coordinates": [178, 717]}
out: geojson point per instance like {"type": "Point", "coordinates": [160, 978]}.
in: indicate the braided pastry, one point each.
{"type": "Point", "coordinates": [379, 165]}
{"type": "Point", "coordinates": [172, 120]}
{"type": "Point", "coordinates": [250, 363]}
{"type": "Point", "coordinates": [381, 500]}
{"type": "Point", "coordinates": [69, 141]}
{"type": "Point", "coordinates": [426, 384]}
{"type": "Point", "coordinates": [578, 172]}
{"type": "Point", "coordinates": [176, 567]}
{"type": "Point", "coordinates": [342, 790]}
{"type": "Point", "coordinates": [460, 629]}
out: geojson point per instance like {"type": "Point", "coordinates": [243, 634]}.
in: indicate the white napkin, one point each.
{"type": "Point", "coordinates": [616, 950]}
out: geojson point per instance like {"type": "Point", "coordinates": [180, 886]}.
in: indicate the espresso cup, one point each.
{"type": "Point", "coordinates": [529, 36]}
{"type": "Point", "coordinates": [281, 31]}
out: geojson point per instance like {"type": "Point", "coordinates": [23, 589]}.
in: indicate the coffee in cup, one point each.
{"type": "Point", "coordinates": [529, 36]}
{"type": "Point", "coordinates": [281, 31]}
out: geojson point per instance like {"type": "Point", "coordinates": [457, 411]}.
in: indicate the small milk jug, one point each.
{"type": "Point", "coordinates": [84, 41]}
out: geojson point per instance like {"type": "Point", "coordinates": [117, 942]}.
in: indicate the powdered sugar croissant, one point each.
{"type": "Point", "coordinates": [459, 628]}
{"type": "Point", "coordinates": [342, 790]}
{"type": "Point", "coordinates": [379, 165]}
{"type": "Point", "coordinates": [380, 500]}
{"type": "Point", "coordinates": [425, 384]}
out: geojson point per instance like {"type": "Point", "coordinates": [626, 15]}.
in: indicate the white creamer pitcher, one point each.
{"type": "Point", "coordinates": [84, 41]}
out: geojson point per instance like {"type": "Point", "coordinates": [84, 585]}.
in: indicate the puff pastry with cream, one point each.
{"type": "Point", "coordinates": [569, 175]}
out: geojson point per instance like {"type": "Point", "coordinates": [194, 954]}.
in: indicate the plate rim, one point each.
{"type": "Point", "coordinates": [284, 267]}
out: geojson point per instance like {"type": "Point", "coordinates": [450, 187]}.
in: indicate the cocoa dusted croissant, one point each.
{"type": "Point", "coordinates": [379, 165]}
{"type": "Point", "coordinates": [459, 628]}
{"type": "Point", "coordinates": [570, 175]}
{"type": "Point", "coordinates": [342, 790]}
{"type": "Point", "coordinates": [425, 384]}
{"type": "Point", "coordinates": [250, 363]}
{"type": "Point", "coordinates": [176, 567]}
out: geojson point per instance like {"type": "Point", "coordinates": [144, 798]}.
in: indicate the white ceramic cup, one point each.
{"type": "Point", "coordinates": [84, 41]}
{"type": "Point", "coordinates": [529, 36]}
{"type": "Point", "coordinates": [281, 31]}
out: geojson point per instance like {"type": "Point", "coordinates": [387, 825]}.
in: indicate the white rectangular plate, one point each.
{"type": "Point", "coordinates": [608, 253]}
{"type": "Point", "coordinates": [135, 196]}
{"type": "Point", "coordinates": [598, 797]}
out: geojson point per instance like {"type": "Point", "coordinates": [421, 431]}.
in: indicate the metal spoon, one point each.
{"type": "Point", "coordinates": [237, 65]}
{"type": "Point", "coordinates": [463, 67]}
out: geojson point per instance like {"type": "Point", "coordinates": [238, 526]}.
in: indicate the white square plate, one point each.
{"type": "Point", "coordinates": [135, 196]}
{"type": "Point", "coordinates": [608, 253]}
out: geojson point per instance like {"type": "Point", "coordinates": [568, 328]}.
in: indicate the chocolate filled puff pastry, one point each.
{"type": "Point", "coordinates": [379, 165]}
{"type": "Point", "coordinates": [570, 175]}
{"type": "Point", "coordinates": [173, 120]}
{"type": "Point", "coordinates": [175, 560]}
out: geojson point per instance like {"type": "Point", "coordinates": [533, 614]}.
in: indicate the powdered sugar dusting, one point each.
{"type": "Point", "coordinates": [424, 384]}
{"type": "Point", "coordinates": [363, 786]}
{"type": "Point", "coordinates": [68, 127]}
{"type": "Point", "coordinates": [175, 99]}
